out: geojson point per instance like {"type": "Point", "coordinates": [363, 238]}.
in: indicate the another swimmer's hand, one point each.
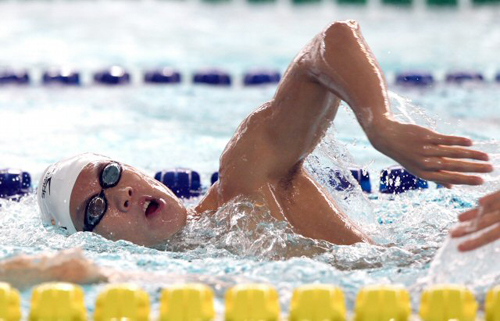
{"type": "Point", "coordinates": [486, 215]}
{"type": "Point", "coordinates": [72, 266]}
{"type": "Point", "coordinates": [67, 266]}
{"type": "Point", "coordinates": [427, 154]}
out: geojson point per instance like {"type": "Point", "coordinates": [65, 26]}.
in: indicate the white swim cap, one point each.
{"type": "Point", "coordinates": [56, 185]}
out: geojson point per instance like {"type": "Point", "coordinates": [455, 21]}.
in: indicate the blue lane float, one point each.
{"type": "Point", "coordinates": [397, 180]}
{"type": "Point", "coordinates": [63, 76]}
{"type": "Point", "coordinates": [14, 77]}
{"type": "Point", "coordinates": [363, 178]}
{"type": "Point", "coordinates": [14, 183]}
{"type": "Point", "coordinates": [414, 79]}
{"type": "Point", "coordinates": [113, 76]}
{"type": "Point", "coordinates": [183, 182]}
{"type": "Point", "coordinates": [213, 77]}
{"type": "Point", "coordinates": [261, 77]}
{"type": "Point", "coordinates": [117, 75]}
{"type": "Point", "coordinates": [214, 178]}
{"type": "Point", "coordinates": [463, 77]}
{"type": "Point", "coordinates": [162, 76]}
{"type": "Point", "coordinates": [340, 182]}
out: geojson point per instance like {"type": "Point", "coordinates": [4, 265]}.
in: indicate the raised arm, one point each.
{"type": "Point", "coordinates": [338, 65]}
{"type": "Point", "coordinates": [343, 63]}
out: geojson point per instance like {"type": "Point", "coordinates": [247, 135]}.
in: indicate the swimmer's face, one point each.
{"type": "Point", "coordinates": [140, 209]}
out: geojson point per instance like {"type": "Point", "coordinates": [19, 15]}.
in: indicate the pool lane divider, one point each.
{"type": "Point", "coordinates": [342, 182]}
{"type": "Point", "coordinates": [243, 302]}
{"type": "Point", "coordinates": [395, 3]}
{"type": "Point", "coordinates": [382, 302]}
{"type": "Point", "coordinates": [162, 76]}
{"type": "Point", "coordinates": [397, 180]}
{"type": "Point", "coordinates": [186, 183]}
{"type": "Point", "coordinates": [122, 302]}
{"type": "Point", "coordinates": [14, 77]}
{"type": "Point", "coordinates": [192, 301]}
{"type": "Point", "coordinates": [452, 302]}
{"type": "Point", "coordinates": [113, 76]}
{"type": "Point", "coordinates": [10, 303]}
{"type": "Point", "coordinates": [448, 3]}
{"type": "Point", "coordinates": [57, 301]}
{"type": "Point", "coordinates": [252, 302]}
{"type": "Point", "coordinates": [183, 182]}
{"type": "Point", "coordinates": [415, 79]}
{"type": "Point", "coordinates": [261, 77]}
{"type": "Point", "coordinates": [317, 302]}
{"type": "Point", "coordinates": [485, 2]}
{"type": "Point", "coordinates": [214, 77]}
{"type": "Point", "coordinates": [64, 76]}
{"type": "Point", "coordinates": [352, 2]}
{"type": "Point", "coordinates": [117, 75]}
{"type": "Point", "coordinates": [256, 2]}
{"type": "Point", "coordinates": [399, 3]}
{"type": "Point", "coordinates": [14, 183]}
{"type": "Point", "coordinates": [462, 77]}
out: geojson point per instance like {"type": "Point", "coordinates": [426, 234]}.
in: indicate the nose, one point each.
{"type": "Point", "coordinates": [122, 198]}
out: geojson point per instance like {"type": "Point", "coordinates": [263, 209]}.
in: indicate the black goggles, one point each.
{"type": "Point", "coordinates": [98, 204]}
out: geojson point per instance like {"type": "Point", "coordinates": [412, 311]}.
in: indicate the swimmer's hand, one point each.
{"type": "Point", "coordinates": [65, 266]}
{"type": "Point", "coordinates": [427, 154]}
{"type": "Point", "coordinates": [484, 217]}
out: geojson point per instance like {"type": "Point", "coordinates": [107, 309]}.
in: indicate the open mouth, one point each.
{"type": "Point", "coordinates": [151, 207]}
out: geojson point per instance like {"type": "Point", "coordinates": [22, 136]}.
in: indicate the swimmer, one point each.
{"type": "Point", "coordinates": [262, 161]}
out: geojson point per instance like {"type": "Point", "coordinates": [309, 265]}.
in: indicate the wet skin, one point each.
{"type": "Point", "coordinates": [126, 217]}
{"type": "Point", "coordinates": [264, 159]}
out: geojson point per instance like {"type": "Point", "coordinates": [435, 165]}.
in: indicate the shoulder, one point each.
{"type": "Point", "coordinates": [242, 166]}
{"type": "Point", "coordinates": [210, 202]}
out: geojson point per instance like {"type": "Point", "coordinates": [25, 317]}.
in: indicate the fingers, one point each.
{"type": "Point", "coordinates": [485, 238]}
{"type": "Point", "coordinates": [451, 178]}
{"type": "Point", "coordinates": [453, 165]}
{"type": "Point", "coordinates": [489, 203]}
{"type": "Point", "coordinates": [490, 207]}
{"type": "Point", "coordinates": [447, 171]}
{"type": "Point", "coordinates": [465, 166]}
{"type": "Point", "coordinates": [461, 230]}
{"type": "Point", "coordinates": [484, 221]}
{"type": "Point", "coordinates": [469, 215]}
{"type": "Point", "coordinates": [492, 198]}
{"type": "Point", "coordinates": [455, 152]}
{"type": "Point", "coordinates": [447, 185]}
{"type": "Point", "coordinates": [440, 139]}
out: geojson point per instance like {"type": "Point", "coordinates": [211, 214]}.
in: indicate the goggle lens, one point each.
{"type": "Point", "coordinates": [96, 208]}
{"type": "Point", "coordinates": [110, 175]}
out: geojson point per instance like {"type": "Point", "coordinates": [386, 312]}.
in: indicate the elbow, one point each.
{"type": "Point", "coordinates": [319, 54]}
{"type": "Point", "coordinates": [337, 33]}
{"type": "Point", "coordinates": [334, 41]}
{"type": "Point", "coordinates": [340, 31]}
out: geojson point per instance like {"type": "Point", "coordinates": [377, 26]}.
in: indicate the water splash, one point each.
{"type": "Point", "coordinates": [245, 228]}
{"type": "Point", "coordinates": [407, 112]}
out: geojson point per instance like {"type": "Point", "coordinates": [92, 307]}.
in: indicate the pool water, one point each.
{"type": "Point", "coordinates": [157, 127]}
